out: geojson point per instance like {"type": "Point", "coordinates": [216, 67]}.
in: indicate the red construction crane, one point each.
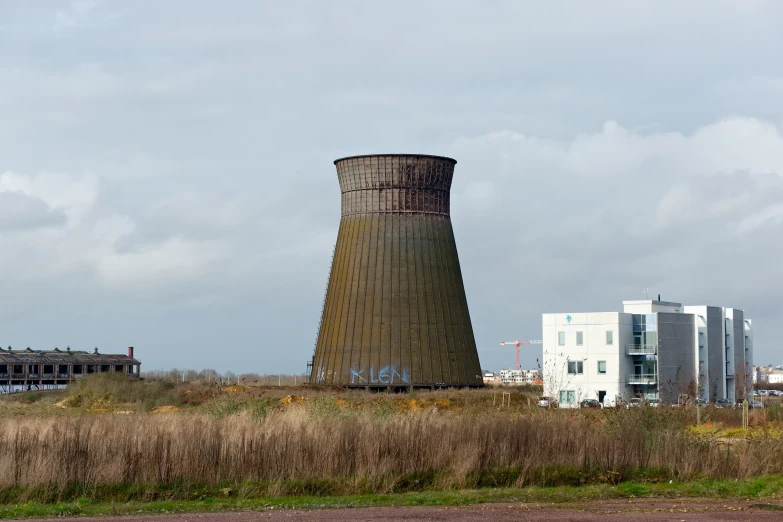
{"type": "Point", "coordinates": [517, 343]}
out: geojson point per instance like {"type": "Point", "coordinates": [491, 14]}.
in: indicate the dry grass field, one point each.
{"type": "Point", "coordinates": [109, 439]}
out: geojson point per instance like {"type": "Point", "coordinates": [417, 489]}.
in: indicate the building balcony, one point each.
{"type": "Point", "coordinates": [641, 349]}
{"type": "Point", "coordinates": [642, 378]}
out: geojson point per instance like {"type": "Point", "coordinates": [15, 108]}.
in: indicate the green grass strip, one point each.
{"type": "Point", "coordinates": [758, 488]}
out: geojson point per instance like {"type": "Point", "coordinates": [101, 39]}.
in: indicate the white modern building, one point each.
{"type": "Point", "coordinates": [652, 350]}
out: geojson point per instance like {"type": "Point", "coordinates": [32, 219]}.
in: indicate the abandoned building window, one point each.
{"type": "Point", "coordinates": [48, 368]}
{"type": "Point", "coordinates": [601, 366]}
{"type": "Point", "coordinates": [105, 367]}
{"type": "Point", "coordinates": [18, 368]}
{"type": "Point", "coordinates": [119, 368]}
{"type": "Point", "coordinates": [62, 369]}
{"type": "Point", "coordinates": [77, 369]}
{"type": "Point", "coordinates": [561, 338]}
{"type": "Point", "coordinates": [3, 368]}
{"type": "Point", "coordinates": [580, 338]}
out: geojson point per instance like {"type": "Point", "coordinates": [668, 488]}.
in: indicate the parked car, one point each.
{"type": "Point", "coordinates": [723, 403]}
{"type": "Point", "coordinates": [543, 402]}
{"type": "Point", "coordinates": [635, 403]}
{"type": "Point", "coordinates": [755, 404]}
{"type": "Point", "coordinates": [653, 403]}
{"type": "Point", "coordinates": [590, 403]}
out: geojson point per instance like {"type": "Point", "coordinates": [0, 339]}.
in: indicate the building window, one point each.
{"type": "Point", "coordinates": [601, 366]}
{"type": "Point", "coordinates": [580, 338]}
{"type": "Point", "coordinates": [567, 397]}
{"type": "Point", "coordinates": [575, 367]}
{"type": "Point", "coordinates": [561, 338]}
{"type": "Point", "coordinates": [609, 337]}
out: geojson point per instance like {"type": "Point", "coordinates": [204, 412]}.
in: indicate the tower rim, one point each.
{"type": "Point", "coordinates": [398, 155]}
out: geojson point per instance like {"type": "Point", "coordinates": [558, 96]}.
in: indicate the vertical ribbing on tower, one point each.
{"type": "Point", "coordinates": [395, 312]}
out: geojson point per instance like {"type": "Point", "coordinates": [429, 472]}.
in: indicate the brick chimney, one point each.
{"type": "Point", "coordinates": [130, 352]}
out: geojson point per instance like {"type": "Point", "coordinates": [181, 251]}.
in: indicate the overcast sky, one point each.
{"type": "Point", "coordinates": [166, 176]}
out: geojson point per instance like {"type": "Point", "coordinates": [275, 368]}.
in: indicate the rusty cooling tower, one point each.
{"type": "Point", "coordinates": [395, 312]}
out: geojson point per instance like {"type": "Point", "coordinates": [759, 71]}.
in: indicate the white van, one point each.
{"type": "Point", "coordinates": [614, 402]}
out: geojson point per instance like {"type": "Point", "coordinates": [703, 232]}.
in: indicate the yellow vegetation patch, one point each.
{"type": "Point", "coordinates": [165, 409]}
{"type": "Point", "coordinates": [292, 399]}
{"type": "Point", "coordinates": [61, 404]}
{"type": "Point", "coordinates": [234, 389]}
{"type": "Point", "coordinates": [415, 405]}
{"type": "Point", "coordinates": [718, 431]}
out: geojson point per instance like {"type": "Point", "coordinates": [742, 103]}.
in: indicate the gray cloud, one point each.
{"type": "Point", "coordinates": [19, 212]}
{"type": "Point", "coordinates": [169, 179]}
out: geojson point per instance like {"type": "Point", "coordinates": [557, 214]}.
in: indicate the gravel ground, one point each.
{"type": "Point", "coordinates": [656, 510]}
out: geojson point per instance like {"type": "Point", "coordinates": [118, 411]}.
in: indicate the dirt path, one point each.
{"type": "Point", "coordinates": [630, 510]}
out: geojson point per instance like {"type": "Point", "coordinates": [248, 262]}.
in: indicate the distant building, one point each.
{"type": "Point", "coordinates": [653, 350]}
{"type": "Point", "coordinates": [768, 375]}
{"type": "Point", "coordinates": [491, 377]}
{"type": "Point", "coordinates": [520, 376]}
{"type": "Point", "coordinates": [22, 370]}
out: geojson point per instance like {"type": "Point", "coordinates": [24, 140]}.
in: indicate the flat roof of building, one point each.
{"type": "Point", "coordinates": [652, 301]}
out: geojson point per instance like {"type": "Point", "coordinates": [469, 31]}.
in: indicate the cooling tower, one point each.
{"type": "Point", "coordinates": [395, 312]}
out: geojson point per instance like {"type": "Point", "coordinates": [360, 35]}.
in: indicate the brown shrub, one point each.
{"type": "Point", "coordinates": [368, 452]}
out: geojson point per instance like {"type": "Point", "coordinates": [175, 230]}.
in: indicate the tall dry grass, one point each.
{"type": "Point", "coordinates": [307, 449]}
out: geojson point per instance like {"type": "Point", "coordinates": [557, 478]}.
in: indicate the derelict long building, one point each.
{"type": "Point", "coordinates": [41, 369]}
{"type": "Point", "coordinates": [395, 312]}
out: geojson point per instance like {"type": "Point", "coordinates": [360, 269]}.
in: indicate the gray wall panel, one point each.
{"type": "Point", "coordinates": [739, 352]}
{"type": "Point", "coordinates": [676, 356]}
{"type": "Point", "coordinates": [715, 371]}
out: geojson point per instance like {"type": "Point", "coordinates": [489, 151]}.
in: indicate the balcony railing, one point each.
{"type": "Point", "coordinates": [642, 378]}
{"type": "Point", "coordinates": [641, 349]}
